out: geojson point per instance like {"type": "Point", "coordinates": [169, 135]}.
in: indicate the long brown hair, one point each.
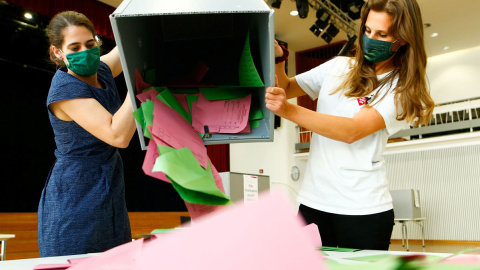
{"type": "Point", "coordinates": [61, 21]}
{"type": "Point", "coordinates": [410, 61]}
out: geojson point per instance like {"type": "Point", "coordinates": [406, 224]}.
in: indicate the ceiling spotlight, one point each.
{"type": "Point", "coordinates": [302, 7]}
{"type": "Point", "coordinates": [434, 34]}
{"type": "Point", "coordinates": [327, 37]}
{"type": "Point", "coordinates": [294, 13]}
{"type": "Point", "coordinates": [322, 19]}
{"type": "Point", "coordinates": [446, 48]}
{"type": "Point", "coordinates": [28, 15]}
{"type": "Point", "coordinates": [332, 30]}
{"type": "Point", "coordinates": [315, 30]}
{"type": "Point", "coordinates": [276, 4]}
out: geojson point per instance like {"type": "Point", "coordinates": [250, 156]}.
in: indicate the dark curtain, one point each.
{"type": "Point", "coordinates": [27, 141]}
{"type": "Point", "coordinates": [96, 11]}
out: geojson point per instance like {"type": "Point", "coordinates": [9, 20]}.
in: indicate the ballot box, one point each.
{"type": "Point", "coordinates": [187, 45]}
{"type": "Point", "coordinates": [244, 187]}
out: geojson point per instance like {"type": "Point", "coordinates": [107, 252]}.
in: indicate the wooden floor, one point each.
{"type": "Point", "coordinates": [434, 246]}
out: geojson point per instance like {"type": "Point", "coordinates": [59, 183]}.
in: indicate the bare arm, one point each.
{"type": "Point", "coordinates": [112, 59]}
{"type": "Point", "coordinates": [116, 130]}
{"type": "Point", "coordinates": [289, 84]}
{"type": "Point", "coordinates": [367, 121]}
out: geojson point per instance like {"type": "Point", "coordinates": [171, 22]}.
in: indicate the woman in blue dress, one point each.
{"type": "Point", "coordinates": [82, 208]}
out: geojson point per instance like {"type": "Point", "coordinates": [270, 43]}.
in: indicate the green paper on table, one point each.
{"type": "Point", "coordinates": [193, 183]}
{"type": "Point", "coordinates": [225, 92]}
{"type": "Point", "coordinates": [167, 98]}
{"type": "Point", "coordinates": [248, 74]}
{"type": "Point", "coordinates": [147, 109]}
{"type": "Point", "coordinates": [324, 248]}
{"type": "Point", "coordinates": [162, 231]}
{"type": "Point", "coordinates": [374, 258]}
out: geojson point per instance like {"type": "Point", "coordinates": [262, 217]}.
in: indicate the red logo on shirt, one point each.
{"type": "Point", "coordinates": [362, 101]}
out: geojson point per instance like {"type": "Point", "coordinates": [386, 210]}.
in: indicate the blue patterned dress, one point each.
{"type": "Point", "coordinates": [82, 208]}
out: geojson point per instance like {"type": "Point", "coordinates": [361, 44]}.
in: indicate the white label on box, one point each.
{"type": "Point", "coordinates": [250, 188]}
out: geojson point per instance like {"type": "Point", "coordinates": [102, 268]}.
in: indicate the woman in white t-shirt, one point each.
{"type": "Point", "coordinates": [361, 102]}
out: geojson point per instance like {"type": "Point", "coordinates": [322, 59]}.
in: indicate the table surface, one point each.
{"type": "Point", "coordinates": [6, 236]}
{"type": "Point", "coordinates": [28, 264]}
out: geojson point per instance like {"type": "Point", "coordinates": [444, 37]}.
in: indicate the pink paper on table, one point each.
{"type": "Point", "coordinates": [265, 234]}
{"type": "Point", "coordinates": [150, 94]}
{"type": "Point", "coordinates": [312, 231]}
{"type": "Point", "coordinates": [124, 257]}
{"type": "Point", "coordinates": [464, 259]}
{"type": "Point", "coordinates": [140, 84]}
{"type": "Point", "coordinates": [221, 116]}
{"type": "Point", "coordinates": [170, 127]}
{"type": "Point", "coordinates": [52, 266]}
{"type": "Point", "coordinates": [150, 157]}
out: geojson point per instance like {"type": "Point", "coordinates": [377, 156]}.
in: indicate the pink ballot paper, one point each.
{"type": "Point", "coordinates": [149, 161]}
{"type": "Point", "coordinates": [265, 234]}
{"type": "Point", "coordinates": [176, 132]}
{"type": "Point", "coordinates": [221, 116]}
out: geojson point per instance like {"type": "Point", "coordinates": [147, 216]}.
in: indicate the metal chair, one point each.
{"type": "Point", "coordinates": [406, 205]}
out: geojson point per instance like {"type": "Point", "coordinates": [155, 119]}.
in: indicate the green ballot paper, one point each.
{"type": "Point", "coordinates": [193, 183]}
{"type": "Point", "coordinates": [248, 74]}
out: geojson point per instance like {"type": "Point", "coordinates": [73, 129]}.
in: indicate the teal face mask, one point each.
{"type": "Point", "coordinates": [377, 50]}
{"type": "Point", "coordinates": [84, 63]}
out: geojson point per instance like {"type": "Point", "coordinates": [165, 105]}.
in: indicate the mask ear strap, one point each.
{"type": "Point", "coordinates": [398, 46]}
{"type": "Point", "coordinates": [64, 57]}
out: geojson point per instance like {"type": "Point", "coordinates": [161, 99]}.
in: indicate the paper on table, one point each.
{"type": "Point", "coordinates": [219, 115]}
{"type": "Point", "coordinates": [312, 230]}
{"type": "Point", "coordinates": [193, 183]}
{"type": "Point", "coordinates": [124, 257]}
{"type": "Point", "coordinates": [150, 157]}
{"type": "Point", "coordinates": [244, 237]}
{"type": "Point", "coordinates": [140, 84]}
{"type": "Point", "coordinates": [176, 132]}
{"type": "Point", "coordinates": [248, 74]}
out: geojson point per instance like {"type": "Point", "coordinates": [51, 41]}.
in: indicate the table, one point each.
{"type": "Point", "coordinates": [3, 242]}
{"type": "Point", "coordinates": [404, 221]}
{"type": "Point", "coordinates": [340, 257]}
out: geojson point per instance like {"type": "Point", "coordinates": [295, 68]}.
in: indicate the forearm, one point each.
{"type": "Point", "coordinates": [282, 77]}
{"type": "Point", "coordinates": [123, 123]}
{"type": "Point", "coordinates": [333, 127]}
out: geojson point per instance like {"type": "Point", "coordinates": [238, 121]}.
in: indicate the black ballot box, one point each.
{"type": "Point", "coordinates": [187, 45]}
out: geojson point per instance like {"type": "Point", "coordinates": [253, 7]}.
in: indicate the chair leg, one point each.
{"type": "Point", "coordinates": [423, 233]}
{"type": "Point", "coordinates": [403, 235]}
{"type": "Point", "coordinates": [2, 254]}
{"type": "Point", "coordinates": [406, 235]}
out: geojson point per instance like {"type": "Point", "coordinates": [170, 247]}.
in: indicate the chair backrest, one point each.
{"type": "Point", "coordinates": [406, 203]}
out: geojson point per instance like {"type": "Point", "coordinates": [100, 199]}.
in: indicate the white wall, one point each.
{"type": "Point", "coordinates": [455, 76]}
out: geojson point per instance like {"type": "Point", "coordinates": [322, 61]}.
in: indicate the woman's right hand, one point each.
{"type": "Point", "coordinates": [278, 50]}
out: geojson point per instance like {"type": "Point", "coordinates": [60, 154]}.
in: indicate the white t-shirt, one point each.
{"type": "Point", "coordinates": [344, 178]}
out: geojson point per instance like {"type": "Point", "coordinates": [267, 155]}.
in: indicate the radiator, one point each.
{"type": "Point", "coordinates": [449, 183]}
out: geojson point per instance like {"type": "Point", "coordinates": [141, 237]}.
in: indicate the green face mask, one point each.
{"type": "Point", "coordinates": [84, 63]}
{"type": "Point", "coordinates": [377, 50]}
